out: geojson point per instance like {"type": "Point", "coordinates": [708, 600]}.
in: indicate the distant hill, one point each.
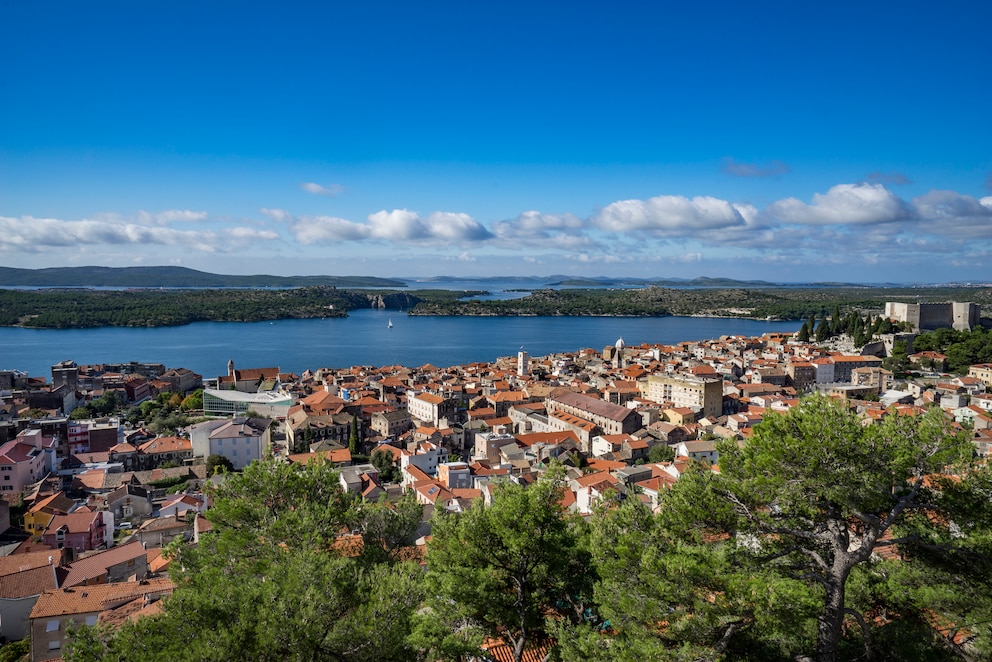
{"type": "Point", "coordinates": [171, 277]}
{"type": "Point", "coordinates": [663, 282]}
{"type": "Point", "coordinates": [495, 279]}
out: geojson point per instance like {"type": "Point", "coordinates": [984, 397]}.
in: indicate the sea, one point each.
{"type": "Point", "coordinates": [368, 337]}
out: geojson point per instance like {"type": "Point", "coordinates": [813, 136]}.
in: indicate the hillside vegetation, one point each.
{"type": "Point", "coordinates": [777, 303]}
{"type": "Point", "coordinates": [65, 309]}
{"type": "Point", "coordinates": [81, 308]}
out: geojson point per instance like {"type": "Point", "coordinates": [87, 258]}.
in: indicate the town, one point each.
{"type": "Point", "coordinates": [98, 480]}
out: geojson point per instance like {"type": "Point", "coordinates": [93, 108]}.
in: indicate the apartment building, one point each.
{"type": "Point", "coordinates": [704, 395]}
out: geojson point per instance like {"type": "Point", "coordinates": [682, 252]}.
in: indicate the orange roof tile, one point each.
{"type": "Point", "coordinates": [96, 598]}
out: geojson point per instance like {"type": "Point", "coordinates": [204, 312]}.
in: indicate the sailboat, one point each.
{"type": "Point", "coordinates": [390, 325]}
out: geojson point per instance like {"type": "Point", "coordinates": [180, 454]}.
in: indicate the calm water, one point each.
{"type": "Point", "coordinates": [361, 339]}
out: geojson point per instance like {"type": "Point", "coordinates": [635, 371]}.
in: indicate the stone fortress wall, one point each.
{"type": "Point", "coordinates": [931, 316]}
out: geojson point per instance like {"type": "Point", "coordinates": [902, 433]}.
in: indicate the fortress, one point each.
{"type": "Point", "coordinates": [931, 316]}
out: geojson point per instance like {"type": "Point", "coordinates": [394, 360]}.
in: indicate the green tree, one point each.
{"type": "Point", "coordinates": [898, 361]}
{"type": "Point", "coordinates": [822, 331]}
{"type": "Point", "coordinates": [658, 596]}
{"type": "Point", "coordinates": [499, 571]}
{"type": "Point", "coordinates": [14, 651]}
{"type": "Point", "coordinates": [81, 413]}
{"type": "Point", "coordinates": [219, 464]}
{"type": "Point", "coordinates": [387, 527]}
{"type": "Point", "coordinates": [661, 452]}
{"type": "Point", "coordinates": [274, 581]}
{"type": "Point", "coordinates": [803, 335]}
{"type": "Point", "coordinates": [383, 462]}
{"type": "Point", "coordinates": [858, 337]}
{"type": "Point", "coordinates": [193, 401]}
{"type": "Point", "coordinates": [353, 436]}
{"type": "Point", "coordinates": [107, 403]}
{"type": "Point", "coordinates": [814, 493]}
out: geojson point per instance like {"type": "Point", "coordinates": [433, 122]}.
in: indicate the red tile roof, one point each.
{"type": "Point", "coordinates": [97, 598]}
{"type": "Point", "coordinates": [96, 565]}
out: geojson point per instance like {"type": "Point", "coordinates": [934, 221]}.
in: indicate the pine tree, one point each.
{"type": "Point", "coordinates": [803, 335]}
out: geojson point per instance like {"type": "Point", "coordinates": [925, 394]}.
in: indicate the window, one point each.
{"type": "Point", "coordinates": [52, 626]}
{"type": "Point", "coordinates": [55, 645]}
{"type": "Point", "coordinates": [91, 620]}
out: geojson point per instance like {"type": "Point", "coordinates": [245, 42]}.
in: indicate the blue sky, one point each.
{"type": "Point", "coordinates": [780, 141]}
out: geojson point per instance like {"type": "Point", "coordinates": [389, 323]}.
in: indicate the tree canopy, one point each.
{"type": "Point", "coordinates": [823, 537]}
{"type": "Point", "coordinates": [783, 553]}
{"type": "Point", "coordinates": [499, 571]}
{"type": "Point", "coordinates": [275, 579]}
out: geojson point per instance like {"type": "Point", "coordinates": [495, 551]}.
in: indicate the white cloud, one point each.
{"type": "Point", "coordinates": [948, 215]}
{"type": "Point", "coordinates": [251, 233]}
{"type": "Point", "coordinates": [280, 215]}
{"type": "Point", "coordinates": [673, 215]}
{"type": "Point", "coordinates": [534, 224]}
{"type": "Point", "coordinates": [844, 204]}
{"type": "Point", "coordinates": [396, 226]}
{"type": "Point", "coordinates": [176, 216]}
{"type": "Point", "coordinates": [327, 229]}
{"type": "Point", "coordinates": [330, 191]}
{"type": "Point", "coordinates": [33, 234]}
{"type": "Point", "coordinates": [448, 226]}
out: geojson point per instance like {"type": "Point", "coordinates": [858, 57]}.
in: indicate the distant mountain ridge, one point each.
{"type": "Point", "coordinates": [147, 277]}
{"type": "Point", "coordinates": [701, 281]}
{"type": "Point", "coordinates": [169, 276]}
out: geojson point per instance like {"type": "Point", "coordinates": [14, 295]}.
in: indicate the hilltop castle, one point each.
{"type": "Point", "coordinates": [930, 316]}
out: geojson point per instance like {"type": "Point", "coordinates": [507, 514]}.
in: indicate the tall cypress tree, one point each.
{"type": "Point", "coordinates": [353, 437]}
{"type": "Point", "coordinates": [823, 331]}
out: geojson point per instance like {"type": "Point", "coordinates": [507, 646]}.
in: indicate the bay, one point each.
{"type": "Point", "coordinates": [363, 338]}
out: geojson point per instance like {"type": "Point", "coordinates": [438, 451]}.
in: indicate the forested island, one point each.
{"type": "Point", "coordinates": [783, 303]}
{"type": "Point", "coordinates": [171, 296]}
{"type": "Point", "coordinates": [75, 308]}
{"type": "Point", "coordinates": [82, 308]}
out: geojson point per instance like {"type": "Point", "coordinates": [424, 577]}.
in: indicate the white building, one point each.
{"type": "Point", "coordinates": [241, 440]}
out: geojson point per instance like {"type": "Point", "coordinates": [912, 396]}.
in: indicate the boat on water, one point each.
{"type": "Point", "coordinates": [390, 325]}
